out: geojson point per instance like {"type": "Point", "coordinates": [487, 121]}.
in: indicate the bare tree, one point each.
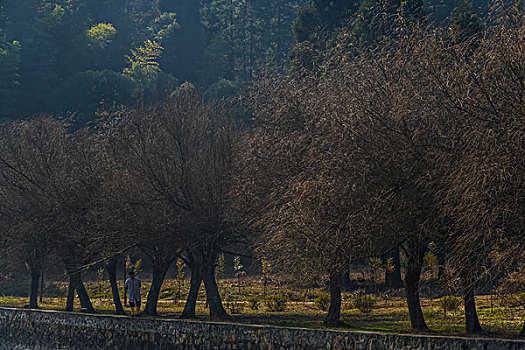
{"type": "Point", "coordinates": [32, 154]}
{"type": "Point", "coordinates": [485, 187]}
{"type": "Point", "coordinates": [177, 157]}
{"type": "Point", "coordinates": [339, 161]}
{"type": "Point", "coordinates": [47, 189]}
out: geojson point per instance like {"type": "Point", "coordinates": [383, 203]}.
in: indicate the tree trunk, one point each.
{"type": "Point", "coordinates": [33, 295]}
{"type": "Point", "coordinates": [42, 286]}
{"type": "Point", "coordinates": [85, 302]}
{"type": "Point", "coordinates": [347, 283]}
{"type": "Point", "coordinates": [217, 311]}
{"type": "Point", "coordinates": [334, 311]}
{"type": "Point", "coordinates": [111, 268]}
{"type": "Point", "coordinates": [125, 273]}
{"type": "Point", "coordinates": [161, 266]}
{"type": "Point", "coordinates": [70, 302]}
{"type": "Point", "coordinates": [393, 278]}
{"type": "Point", "coordinates": [471, 316]}
{"type": "Point", "coordinates": [75, 284]}
{"type": "Point", "coordinates": [191, 302]}
{"type": "Point", "coordinates": [412, 278]}
{"type": "Point", "coordinates": [204, 261]}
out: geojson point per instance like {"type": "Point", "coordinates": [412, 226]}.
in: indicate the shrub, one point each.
{"type": "Point", "coordinates": [276, 303]}
{"type": "Point", "coordinates": [233, 306]}
{"type": "Point", "coordinates": [450, 303]}
{"type": "Point", "coordinates": [364, 303]}
{"type": "Point", "coordinates": [167, 293]}
{"type": "Point", "coordinates": [254, 303]}
{"type": "Point", "coordinates": [375, 266]}
{"type": "Point", "coordinates": [322, 302]}
{"type": "Point", "coordinates": [56, 290]}
{"type": "Point", "coordinates": [512, 300]}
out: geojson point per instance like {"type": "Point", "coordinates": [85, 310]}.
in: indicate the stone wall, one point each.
{"type": "Point", "coordinates": [28, 329]}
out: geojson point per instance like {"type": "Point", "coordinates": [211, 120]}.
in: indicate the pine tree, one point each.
{"type": "Point", "coordinates": [441, 11]}
{"type": "Point", "coordinates": [184, 47]}
{"type": "Point", "coordinates": [3, 23]}
{"type": "Point", "coordinates": [315, 28]}
{"type": "Point", "coordinates": [379, 19]}
{"type": "Point", "coordinates": [246, 37]}
{"type": "Point", "coordinates": [140, 13]}
{"type": "Point", "coordinates": [39, 69]}
{"type": "Point", "coordinates": [21, 15]}
{"type": "Point", "coordinates": [283, 34]}
{"type": "Point", "coordinates": [464, 21]}
{"type": "Point", "coordinates": [322, 15]}
{"type": "Point", "coordinates": [9, 78]}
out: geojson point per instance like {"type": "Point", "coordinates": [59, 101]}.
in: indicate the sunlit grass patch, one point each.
{"type": "Point", "coordinates": [390, 314]}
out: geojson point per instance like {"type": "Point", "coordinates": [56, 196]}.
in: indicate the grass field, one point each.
{"type": "Point", "coordinates": [500, 317]}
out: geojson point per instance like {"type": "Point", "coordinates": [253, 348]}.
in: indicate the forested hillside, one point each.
{"type": "Point", "coordinates": [78, 58]}
{"type": "Point", "coordinates": [83, 56]}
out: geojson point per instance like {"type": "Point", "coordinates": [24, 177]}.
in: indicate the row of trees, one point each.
{"type": "Point", "coordinates": [156, 179]}
{"type": "Point", "coordinates": [418, 140]}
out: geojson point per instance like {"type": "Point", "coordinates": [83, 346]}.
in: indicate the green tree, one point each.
{"type": "Point", "coordinates": [213, 44]}
{"type": "Point", "coordinates": [101, 34]}
{"type": "Point", "coordinates": [39, 71]}
{"type": "Point", "coordinates": [9, 78]}
{"type": "Point", "coordinates": [315, 27]}
{"type": "Point", "coordinates": [244, 38]}
{"type": "Point", "coordinates": [143, 63]}
{"type": "Point", "coordinates": [144, 68]}
{"type": "Point", "coordinates": [440, 11]}
{"type": "Point", "coordinates": [322, 15]}
{"type": "Point", "coordinates": [378, 19]}
{"type": "Point", "coordinates": [3, 22]}
{"type": "Point", "coordinates": [306, 23]}
{"type": "Point", "coordinates": [222, 89]}
{"type": "Point", "coordinates": [464, 21]}
{"type": "Point", "coordinates": [20, 17]}
{"type": "Point", "coordinates": [163, 27]}
{"type": "Point", "coordinates": [140, 13]}
{"type": "Point", "coordinates": [88, 93]}
{"type": "Point", "coordinates": [184, 47]}
{"type": "Point", "coordinates": [266, 270]}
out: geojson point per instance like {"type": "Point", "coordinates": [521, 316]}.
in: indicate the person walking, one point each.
{"type": "Point", "coordinates": [133, 285]}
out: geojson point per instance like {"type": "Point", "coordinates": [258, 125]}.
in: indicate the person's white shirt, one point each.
{"type": "Point", "coordinates": [133, 288]}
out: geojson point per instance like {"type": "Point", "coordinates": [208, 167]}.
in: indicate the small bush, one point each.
{"type": "Point", "coordinates": [254, 303]}
{"type": "Point", "coordinates": [14, 288]}
{"type": "Point", "coordinates": [167, 293]}
{"type": "Point", "coordinates": [276, 303]}
{"type": "Point", "coordinates": [55, 290]}
{"type": "Point", "coordinates": [322, 302]}
{"type": "Point", "coordinates": [512, 300]}
{"type": "Point", "coordinates": [97, 291]}
{"type": "Point", "coordinates": [364, 303]}
{"type": "Point", "coordinates": [233, 306]}
{"type": "Point", "coordinates": [450, 303]}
